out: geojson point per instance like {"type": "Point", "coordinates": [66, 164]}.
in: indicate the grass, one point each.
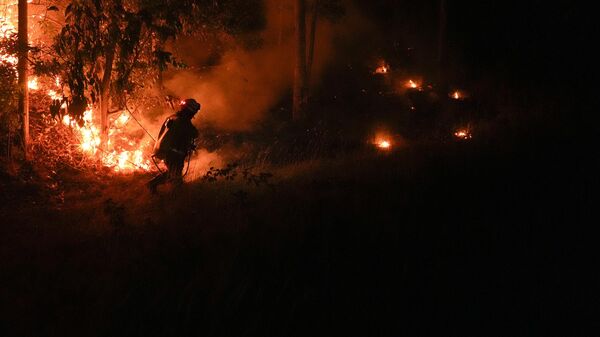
{"type": "Point", "coordinates": [471, 238]}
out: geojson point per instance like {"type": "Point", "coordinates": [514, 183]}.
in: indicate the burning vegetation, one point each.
{"type": "Point", "coordinates": [92, 76]}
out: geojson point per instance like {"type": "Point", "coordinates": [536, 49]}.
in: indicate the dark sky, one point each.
{"type": "Point", "coordinates": [542, 40]}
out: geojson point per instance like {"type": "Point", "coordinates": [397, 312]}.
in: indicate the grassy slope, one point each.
{"type": "Point", "coordinates": [460, 239]}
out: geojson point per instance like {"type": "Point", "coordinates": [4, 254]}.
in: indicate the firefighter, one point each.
{"type": "Point", "coordinates": [175, 143]}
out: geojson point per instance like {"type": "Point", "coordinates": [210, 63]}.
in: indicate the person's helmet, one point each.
{"type": "Point", "coordinates": [191, 105]}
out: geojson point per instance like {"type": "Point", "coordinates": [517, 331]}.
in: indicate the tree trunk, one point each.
{"type": "Point", "coordinates": [105, 94]}
{"type": "Point", "coordinates": [311, 45]}
{"type": "Point", "coordinates": [281, 23]}
{"type": "Point", "coordinates": [443, 47]}
{"type": "Point", "coordinates": [300, 84]}
{"type": "Point", "coordinates": [23, 68]}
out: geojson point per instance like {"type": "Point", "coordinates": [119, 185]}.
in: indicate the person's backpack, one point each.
{"type": "Point", "coordinates": [166, 140]}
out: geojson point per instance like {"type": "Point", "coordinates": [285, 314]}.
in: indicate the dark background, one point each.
{"type": "Point", "coordinates": [492, 237]}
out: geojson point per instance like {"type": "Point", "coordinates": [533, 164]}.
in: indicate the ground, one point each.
{"type": "Point", "coordinates": [464, 238]}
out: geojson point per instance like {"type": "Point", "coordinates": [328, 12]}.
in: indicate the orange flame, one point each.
{"type": "Point", "coordinates": [383, 69]}
{"type": "Point", "coordinates": [384, 144]}
{"type": "Point", "coordinates": [412, 84]}
{"type": "Point", "coordinates": [121, 160]}
{"type": "Point", "coordinates": [463, 133]}
{"type": "Point", "coordinates": [33, 84]}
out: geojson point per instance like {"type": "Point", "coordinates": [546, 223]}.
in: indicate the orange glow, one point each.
{"type": "Point", "coordinates": [120, 159]}
{"type": "Point", "coordinates": [384, 144]}
{"type": "Point", "coordinates": [33, 84]}
{"type": "Point", "coordinates": [463, 134]}
{"type": "Point", "coordinates": [382, 69]}
{"type": "Point", "coordinates": [7, 28]}
{"type": "Point", "coordinates": [123, 153]}
{"type": "Point", "coordinates": [383, 140]}
{"type": "Point", "coordinates": [413, 84]}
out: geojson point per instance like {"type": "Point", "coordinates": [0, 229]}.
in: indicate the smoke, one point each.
{"type": "Point", "coordinates": [236, 93]}
{"type": "Point", "coordinates": [201, 162]}
{"type": "Point", "coordinates": [243, 84]}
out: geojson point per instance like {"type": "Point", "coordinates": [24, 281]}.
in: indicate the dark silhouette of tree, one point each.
{"type": "Point", "coordinates": [300, 73]}
{"type": "Point", "coordinates": [23, 69]}
{"type": "Point", "coordinates": [305, 47]}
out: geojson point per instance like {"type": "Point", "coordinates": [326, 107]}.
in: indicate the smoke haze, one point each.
{"type": "Point", "coordinates": [244, 84]}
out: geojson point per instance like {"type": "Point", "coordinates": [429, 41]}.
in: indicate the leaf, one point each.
{"type": "Point", "coordinates": [52, 8]}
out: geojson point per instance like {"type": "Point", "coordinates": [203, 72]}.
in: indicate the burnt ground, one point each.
{"type": "Point", "coordinates": [466, 238]}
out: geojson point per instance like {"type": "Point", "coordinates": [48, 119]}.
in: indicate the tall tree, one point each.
{"type": "Point", "coordinates": [331, 10]}
{"type": "Point", "coordinates": [300, 98]}
{"type": "Point", "coordinates": [311, 39]}
{"type": "Point", "coordinates": [23, 68]}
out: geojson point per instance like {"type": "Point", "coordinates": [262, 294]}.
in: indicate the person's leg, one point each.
{"type": "Point", "coordinates": [158, 180]}
{"type": "Point", "coordinates": [175, 165]}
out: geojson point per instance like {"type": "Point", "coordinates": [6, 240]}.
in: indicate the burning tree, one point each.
{"type": "Point", "coordinates": [106, 52]}
{"type": "Point", "coordinates": [108, 49]}
{"type": "Point", "coordinates": [8, 85]}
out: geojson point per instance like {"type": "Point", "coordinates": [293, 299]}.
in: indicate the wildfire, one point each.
{"type": "Point", "coordinates": [382, 69]}
{"type": "Point", "coordinates": [383, 140]}
{"type": "Point", "coordinates": [464, 133]}
{"type": "Point", "coordinates": [412, 84]}
{"type": "Point", "coordinates": [119, 159]}
{"type": "Point", "coordinates": [122, 152]}
{"type": "Point", "coordinates": [7, 28]}
{"type": "Point", "coordinates": [457, 95]}
{"type": "Point", "coordinates": [33, 84]}
{"type": "Point", "coordinates": [384, 144]}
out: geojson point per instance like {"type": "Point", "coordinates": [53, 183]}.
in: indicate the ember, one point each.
{"type": "Point", "coordinates": [382, 69]}
{"type": "Point", "coordinates": [463, 133]}
{"type": "Point", "coordinates": [383, 140]}
{"type": "Point", "coordinates": [384, 144]}
{"type": "Point", "coordinates": [413, 85]}
{"type": "Point", "coordinates": [457, 95]}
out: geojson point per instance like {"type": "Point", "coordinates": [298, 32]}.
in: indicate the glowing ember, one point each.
{"type": "Point", "coordinates": [384, 144]}
{"type": "Point", "coordinates": [463, 134]}
{"type": "Point", "coordinates": [33, 84]}
{"type": "Point", "coordinates": [457, 95]}
{"type": "Point", "coordinates": [412, 84]}
{"type": "Point", "coordinates": [382, 69]}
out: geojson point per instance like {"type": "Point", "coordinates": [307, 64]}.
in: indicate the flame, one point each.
{"type": "Point", "coordinates": [120, 159]}
{"type": "Point", "coordinates": [383, 68]}
{"type": "Point", "coordinates": [382, 140]}
{"type": "Point", "coordinates": [412, 84]}
{"type": "Point", "coordinates": [33, 84]}
{"type": "Point", "coordinates": [7, 28]}
{"type": "Point", "coordinates": [463, 133]}
{"type": "Point", "coordinates": [122, 119]}
{"type": "Point", "coordinates": [123, 153]}
{"type": "Point", "coordinates": [457, 95]}
{"type": "Point", "coordinates": [384, 144]}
